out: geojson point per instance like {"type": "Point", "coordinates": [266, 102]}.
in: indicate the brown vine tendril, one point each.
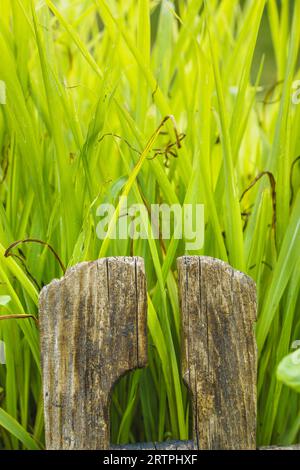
{"type": "Point", "coordinates": [40, 242]}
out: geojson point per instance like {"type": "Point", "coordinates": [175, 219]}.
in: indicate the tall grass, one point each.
{"type": "Point", "coordinates": [77, 75]}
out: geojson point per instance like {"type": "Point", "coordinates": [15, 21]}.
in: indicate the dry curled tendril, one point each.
{"type": "Point", "coordinates": [8, 253]}
{"type": "Point", "coordinates": [40, 242]}
{"type": "Point", "coordinates": [273, 195]}
{"type": "Point", "coordinates": [168, 150]}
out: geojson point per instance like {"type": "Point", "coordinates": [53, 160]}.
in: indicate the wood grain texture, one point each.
{"type": "Point", "coordinates": [184, 445]}
{"type": "Point", "coordinates": [291, 447]}
{"type": "Point", "coordinates": [167, 445]}
{"type": "Point", "coordinates": [218, 307]}
{"type": "Point", "coordinates": [93, 331]}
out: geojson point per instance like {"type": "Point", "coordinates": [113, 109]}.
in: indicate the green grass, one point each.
{"type": "Point", "coordinates": [74, 71]}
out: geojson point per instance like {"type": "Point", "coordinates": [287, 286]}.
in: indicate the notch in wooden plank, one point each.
{"type": "Point", "coordinates": [218, 308]}
{"type": "Point", "coordinates": [93, 330]}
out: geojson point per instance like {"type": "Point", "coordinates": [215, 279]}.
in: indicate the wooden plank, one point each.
{"type": "Point", "coordinates": [218, 306]}
{"type": "Point", "coordinates": [157, 446]}
{"type": "Point", "coordinates": [183, 445]}
{"type": "Point", "coordinates": [93, 331]}
{"type": "Point", "coordinates": [291, 447]}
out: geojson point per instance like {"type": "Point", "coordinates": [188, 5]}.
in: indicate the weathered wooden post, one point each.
{"type": "Point", "coordinates": [218, 306]}
{"type": "Point", "coordinates": [93, 330]}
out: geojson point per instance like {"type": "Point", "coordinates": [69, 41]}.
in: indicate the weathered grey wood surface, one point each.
{"type": "Point", "coordinates": [168, 445]}
{"type": "Point", "coordinates": [218, 307]}
{"type": "Point", "coordinates": [293, 447]}
{"type": "Point", "coordinates": [183, 445]}
{"type": "Point", "coordinates": [93, 330]}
